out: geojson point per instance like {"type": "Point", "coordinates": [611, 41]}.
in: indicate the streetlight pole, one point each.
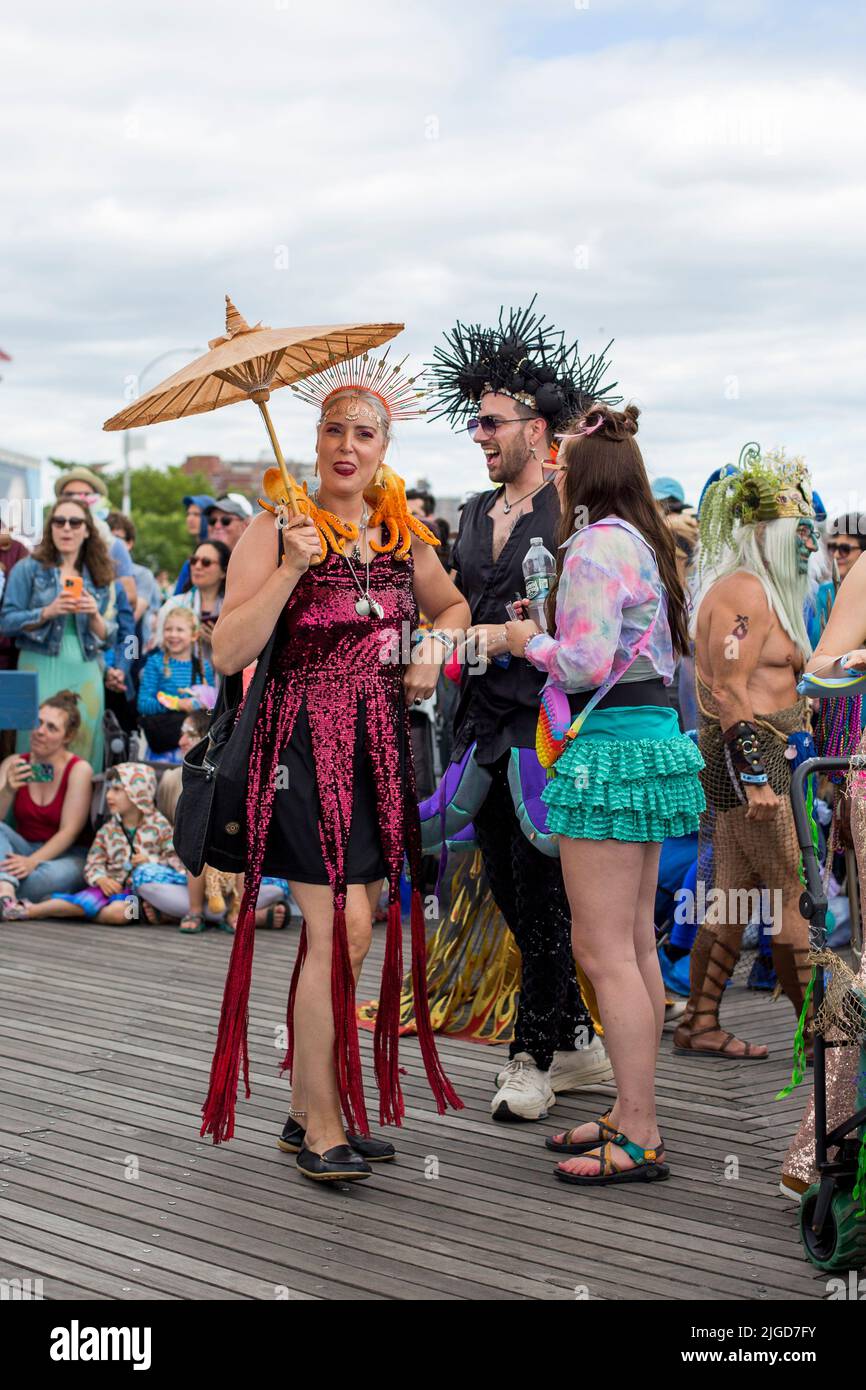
{"type": "Point", "coordinates": [135, 382]}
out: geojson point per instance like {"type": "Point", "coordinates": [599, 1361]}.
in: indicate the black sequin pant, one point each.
{"type": "Point", "coordinates": [528, 890]}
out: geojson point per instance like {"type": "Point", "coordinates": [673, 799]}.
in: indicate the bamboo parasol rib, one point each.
{"type": "Point", "coordinates": [248, 363]}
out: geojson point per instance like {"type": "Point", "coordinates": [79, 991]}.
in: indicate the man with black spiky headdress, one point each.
{"type": "Point", "coordinates": [513, 387]}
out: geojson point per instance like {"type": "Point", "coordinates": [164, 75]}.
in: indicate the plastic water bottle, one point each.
{"type": "Point", "coordinates": [539, 568]}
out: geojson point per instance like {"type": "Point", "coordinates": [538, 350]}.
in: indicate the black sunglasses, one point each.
{"type": "Point", "coordinates": [74, 523]}
{"type": "Point", "coordinates": [490, 423]}
{"type": "Point", "coordinates": [841, 548]}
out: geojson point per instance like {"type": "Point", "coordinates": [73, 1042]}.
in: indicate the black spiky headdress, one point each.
{"type": "Point", "coordinates": [525, 358]}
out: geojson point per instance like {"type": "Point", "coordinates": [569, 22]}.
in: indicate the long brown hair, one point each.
{"type": "Point", "coordinates": [93, 553]}
{"type": "Point", "coordinates": [605, 476]}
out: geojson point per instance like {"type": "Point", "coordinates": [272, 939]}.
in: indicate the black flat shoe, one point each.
{"type": "Point", "coordinates": [373, 1150]}
{"type": "Point", "coordinates": [340, 1164]}
{"type": "Point", "coordinates": [291, 1141]}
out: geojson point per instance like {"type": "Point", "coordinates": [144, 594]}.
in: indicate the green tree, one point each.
{"type": "Point", "coordinates": [156, 499]}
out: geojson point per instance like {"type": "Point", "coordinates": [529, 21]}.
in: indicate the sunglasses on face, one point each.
{"type": "Point", "coordinates": [202, 560]}
{"type": "Point", "coordinates": [491, 423]}
{"type": "Point", "coordinates": [222, 521]}
{"type": "Point", "coordinates": [840, 548]}
{"type": "Point", "coordinates": [74, 523]}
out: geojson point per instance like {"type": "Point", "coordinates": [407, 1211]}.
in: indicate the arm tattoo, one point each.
{"type": "Point", "coordinates": [741, 626]}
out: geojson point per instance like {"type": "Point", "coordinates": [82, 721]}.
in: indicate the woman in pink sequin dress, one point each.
{"type": "Point", "coordinates": [331, 799]}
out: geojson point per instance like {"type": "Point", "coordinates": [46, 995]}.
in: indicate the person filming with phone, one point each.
{"type": "Point", "coordinates": [59, 607]}
{"type": "Point", "coordinates": [48, 791]}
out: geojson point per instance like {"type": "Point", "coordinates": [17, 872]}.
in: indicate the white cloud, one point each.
{"type": "Point", "coordinates": [674, 180]}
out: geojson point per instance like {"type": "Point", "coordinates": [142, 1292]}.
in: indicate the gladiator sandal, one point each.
{"type": "Point", "coordinates": [794, 972]}
{"type": "Point", "coordinates": [712, 966]}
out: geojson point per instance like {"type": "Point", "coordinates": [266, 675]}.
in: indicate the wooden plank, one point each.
{"type": "Point", "coordinates": [119, 1064]}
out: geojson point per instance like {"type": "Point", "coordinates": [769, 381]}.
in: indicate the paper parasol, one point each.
{"type": "Point", "coordinates": [248, 363]}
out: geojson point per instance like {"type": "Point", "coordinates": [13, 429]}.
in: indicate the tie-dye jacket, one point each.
{"type": "Point", "coordinates": [110, 855]}
{"type": "Point", "coordinates": [607, 596]}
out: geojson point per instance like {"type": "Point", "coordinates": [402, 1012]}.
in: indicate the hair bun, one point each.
{"type": "Point", "coordinates": [602, 422]}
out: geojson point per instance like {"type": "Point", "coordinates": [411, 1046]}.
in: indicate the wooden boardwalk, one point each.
{"type": "Point", "coordinates": [107, 1192]}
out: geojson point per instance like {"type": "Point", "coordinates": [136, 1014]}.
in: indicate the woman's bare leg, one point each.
{"type": "Point", "coordinates": [645, 946]}
{"type": "Point", "coordinates": [606, 882]}
{"type": "Point", "coordinates": [314, 1086]}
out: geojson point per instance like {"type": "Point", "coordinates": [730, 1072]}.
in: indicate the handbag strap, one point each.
{"type": "Point", "coordinates": [607, 685]}
{"type": "Point", "coordinates": [231, 687]}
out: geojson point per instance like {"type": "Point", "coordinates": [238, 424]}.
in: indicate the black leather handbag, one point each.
{"type": "Point", "coordinates": [211, 817]}
{"type": "Point", "coordinates": [210, 825]}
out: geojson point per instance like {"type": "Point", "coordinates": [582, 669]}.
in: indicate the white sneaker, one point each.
{"type": "Point", "coordinates": [587, 1066]}
{"type": "Point", "coordinates": [524, 1091]}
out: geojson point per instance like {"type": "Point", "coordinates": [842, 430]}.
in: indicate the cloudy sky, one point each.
{"type": "Point", "coordinates": [684, 176]}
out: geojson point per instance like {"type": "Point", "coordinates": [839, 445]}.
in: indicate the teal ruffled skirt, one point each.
{"type": "Point", "coordinates": [629, 775]}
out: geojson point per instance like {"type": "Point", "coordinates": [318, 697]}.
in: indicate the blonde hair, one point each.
{"type": "Point", "coordinates": [178, 610]}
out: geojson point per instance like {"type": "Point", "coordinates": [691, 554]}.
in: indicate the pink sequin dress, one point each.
{"type": "Point", "coordinates": [331, 799]}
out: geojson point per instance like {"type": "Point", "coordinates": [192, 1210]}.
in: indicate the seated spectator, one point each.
{"type": "Point", "coordinates": [134, 837]}
{"type": "Point", "coordinates": [59, 605]}
{"type": "Point", "coordinates": [43, 854]}
{"type": "Point", "coordinates": [203, 594]}
{"type": "Point", "coordinates": [173, 682]}
{"type": "Point", "coordinates": [181, 896]}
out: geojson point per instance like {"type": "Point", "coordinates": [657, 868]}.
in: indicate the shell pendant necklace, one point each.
{"type": "Point", "coordinates": [365, 606]}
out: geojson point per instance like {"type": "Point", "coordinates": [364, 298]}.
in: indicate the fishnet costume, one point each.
{"type": "Point", "coordinates": [736, 854]}
{"type": "Point", "coordinates": [842, 1015]}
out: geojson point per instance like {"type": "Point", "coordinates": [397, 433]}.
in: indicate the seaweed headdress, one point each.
{"type": "Point", "coordinates": [762, 487]}
{"type": "Point", "coordinates": [524, 357]}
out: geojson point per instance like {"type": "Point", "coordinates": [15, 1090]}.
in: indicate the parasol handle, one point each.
{"type": "Point", "coordinates": [260, 399]}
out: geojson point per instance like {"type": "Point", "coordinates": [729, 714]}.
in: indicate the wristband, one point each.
{"type": "Point", "coordinates": [445, 638]}
{"type": "Point", "coordinates": [743, 754]}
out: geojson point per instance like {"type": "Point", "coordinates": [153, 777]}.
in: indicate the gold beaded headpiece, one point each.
{"type": "Point", "coordinates": [365, 376]}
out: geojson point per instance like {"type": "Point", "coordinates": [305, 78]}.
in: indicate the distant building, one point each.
{"type": "Point", "coordinates": [240, 475]}
{"type": "Point", "coordinates": [23, 495]}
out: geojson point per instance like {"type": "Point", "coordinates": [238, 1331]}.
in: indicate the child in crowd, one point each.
{"type": "Point", "coordinates": [169, 686]}
{"type": "Point", "coordinates": [194, 900]}
{"type": "Point", "coordinates": [135, 836]}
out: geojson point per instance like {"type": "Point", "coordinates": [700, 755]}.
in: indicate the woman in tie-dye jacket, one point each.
{"type": "Point", "coordinates": [628, 780]}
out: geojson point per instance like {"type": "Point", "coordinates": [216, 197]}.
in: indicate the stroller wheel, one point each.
{"type": "Point", "coordinates": [842, 1242]}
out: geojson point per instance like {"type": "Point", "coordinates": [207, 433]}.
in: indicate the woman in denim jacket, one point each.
{"type": "Point", "coordinates": [59, 635]}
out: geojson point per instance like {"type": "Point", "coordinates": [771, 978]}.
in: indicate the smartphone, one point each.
{"type": "Point", "coordinates": [73, 586]}
{"type": "Point", "coordinates": [42, 772]}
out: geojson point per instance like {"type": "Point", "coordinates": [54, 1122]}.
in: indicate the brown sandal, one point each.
{"type": "Point", "coordinates": [712, 965]}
